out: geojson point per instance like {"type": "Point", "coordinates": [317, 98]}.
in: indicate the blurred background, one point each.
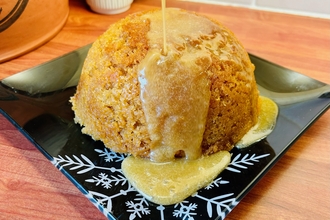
{"type": "Point", "coordinates": [313, 8]}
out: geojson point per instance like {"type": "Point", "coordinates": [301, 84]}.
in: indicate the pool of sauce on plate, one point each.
{"type": "Point", "coordinates": [172, 182]}
{"type": "Point", "coordinates": [265, 124]}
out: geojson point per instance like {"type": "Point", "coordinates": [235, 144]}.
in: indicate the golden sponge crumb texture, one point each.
{"type": "Point", "coordinates": [107, 102]}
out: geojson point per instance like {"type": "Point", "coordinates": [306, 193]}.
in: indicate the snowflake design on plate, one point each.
{"type": "Point", "coordinates": [185, 211]}
{"type": "Point", "coordinates": [138, 207]}
{"type": "Point", "coordinates": [242, 163]}
{"type": "Point", "coordinates": [107, 177]}
{"type": "Point", "coordinates": [107, 181]}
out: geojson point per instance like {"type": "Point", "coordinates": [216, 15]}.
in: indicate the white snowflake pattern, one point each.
{"type": "Point", "coordinates": [107, 182]}
{"type": "Point", "coordinates": [218, 206]}
{"type": "Point", "coordinates": [106, 200]}
{"type": "Point", "coordinates": [241, 163]}
{"type": "Point", "coordinates": [216, 183]}
{"type": "Point", "coordinates": [185, 211]}
{"type": "Point", "coordinates": [138, 208]}
{"type": "Point", "coordinates": [85, 164]}
{"type": "Point", "coordinates": [110, 156]}
{"type": "Point", "coordinates": [222, 203]}
{"type": "Point", "coordinates": [161, 209]}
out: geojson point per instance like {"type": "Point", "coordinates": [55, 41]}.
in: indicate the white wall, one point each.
{"type": "Point", "coordinates": [314, 8]}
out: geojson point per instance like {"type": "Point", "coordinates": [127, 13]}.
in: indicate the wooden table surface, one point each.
{"type": "Point", "coordinates": [297, 187]}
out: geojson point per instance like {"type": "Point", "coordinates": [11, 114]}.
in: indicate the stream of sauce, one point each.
{"type": "Point", "coordinates": [164, 27]}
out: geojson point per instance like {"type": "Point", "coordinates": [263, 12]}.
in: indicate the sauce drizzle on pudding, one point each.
{"type": "Point", "coordinates": [175, 85]}
{"type": "Point", "coordinates": [175, 95]}
{"type": "Point", "coordinates": [175, 88]}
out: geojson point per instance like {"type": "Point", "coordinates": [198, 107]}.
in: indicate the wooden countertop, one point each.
{"type": "Point", "coordinates": [297, 187]}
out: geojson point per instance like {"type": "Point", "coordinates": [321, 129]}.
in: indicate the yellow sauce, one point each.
{"type": "Point", "coordinates": [175, 94]}
{"type": "Point", "coordinates": [172, 182]}
{"type": "Point", "coordinates": [164, 27]}
{"type": "Point", "coordinates": [265, 125]}
{"type": "Point", "coordinates": [174, 83]}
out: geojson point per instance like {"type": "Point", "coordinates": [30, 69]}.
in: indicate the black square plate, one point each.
{"type": "Point", "coordinates": [36, 101]}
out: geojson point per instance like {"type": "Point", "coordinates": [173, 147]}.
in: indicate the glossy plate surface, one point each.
{"type": "Point", "coordinates": [36, 101]}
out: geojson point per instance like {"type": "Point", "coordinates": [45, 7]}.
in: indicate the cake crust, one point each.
{"type": "Point", "coordinates": [107, 102]}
